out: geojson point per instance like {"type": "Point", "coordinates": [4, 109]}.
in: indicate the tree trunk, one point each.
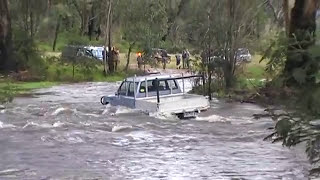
{"type": "Point", "coordinates": [128, 58]}
{"type": "Point", "coordinates": [302, 36]}
{"type": "Point", "coordinates": [228, 76]}
{"type": "Point", "coordinates": [229, 66]}
{"type": "Point", "coordinates": [285, 7]}
{"type": "Point", "coordinates": [172, 18]}
{"type": "Point", "coordinates": [49, 2]}
{"type": "Point", "coordinates": [31, 24]}
{"type": "Point", "coordinates": [110, 54]}
{"type": "Point", "coordinates": [105, 68]}
{"type": "Point", "coordinates": [56, 34]}
{"type": "Point", "coordinates": [5, 37]}
{"type": "Point", "coordinates": [209, 85]}
{"type": "Point", "coordinates": [91, 22]}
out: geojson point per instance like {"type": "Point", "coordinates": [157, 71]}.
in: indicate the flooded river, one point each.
{"type": "Point", "coordinates": [64, 133]}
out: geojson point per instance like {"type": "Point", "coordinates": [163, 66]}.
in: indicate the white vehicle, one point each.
{"type": "Point", "coordinates": [97, 51]}
{"type": "Point", "coordinates": [158, 94]}
{"type": "Point", "coordinates": [243, 55]}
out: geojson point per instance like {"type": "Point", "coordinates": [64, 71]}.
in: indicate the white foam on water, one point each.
{"type": "Point", "coordinates": [75, 111]}
{"type": "Point", "coordinates": [105, 111]}
{"type": "Point", "coordinates": [75, 139]}
{"type": "Point", "coordinates": [241, 120]}
{"type": "Point", "coordinates": [2, 125]}
{"type": "Point", "coordinates": [142, 136]}
{"type": "Point", "coordinates": [188, 148]}
{"type": "Point", "coordinates": [85, 123]}
{"type": "Point", "coordinates": [58, 124]}
{"type": "Point", "coordinates": [213, 119]}
{"type": "Point", "coordinates": [110, 110]}
{"type": "Point", "coordinates": [164, 116]}
{"type": "Point", "coordinates": [62, 110]}
{"type": "Point", "coordinates": [3, 111]}
{"type": "Point", "coordinates": [92, 115]}
{"type": "Point", "coordinates": [58, 111]}
{"type": "Point", "coordinates": [10, 172]}
{"type": "Point", "coordinates": [120, 128]}
{"type": "Point", "coordinates": [124, 110]}
{"type": "Point", "coordinates": [30, 124]}
{"type": "Point", "coordinates": [45, 125]}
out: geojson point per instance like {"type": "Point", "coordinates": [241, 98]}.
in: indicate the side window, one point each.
{"type": "Point", "coordinates": [142, 87]}
{"type": "Point", "coordinates": [152, 86]}
{"type": "Point", "coordinates": [123, 89]}
{"type": "Point", "coordinates": [132, 88]}
{"type": "Point", "coordinates": [163, 86]}
{"type": "Point", "coordinates": [172, 84]}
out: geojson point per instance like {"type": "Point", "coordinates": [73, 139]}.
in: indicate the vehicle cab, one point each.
{"type": "Point", "coordinates": [143, 87]}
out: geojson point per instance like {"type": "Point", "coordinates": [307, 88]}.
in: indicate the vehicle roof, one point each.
{"type": "Point", "coordinates": [151, 77]}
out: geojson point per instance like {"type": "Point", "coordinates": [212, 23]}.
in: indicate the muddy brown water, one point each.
{"type": "Point", "coordinates": [64, 133]}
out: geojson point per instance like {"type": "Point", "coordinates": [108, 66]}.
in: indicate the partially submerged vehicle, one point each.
{"type": "Point", "coordinates": [158, 94]}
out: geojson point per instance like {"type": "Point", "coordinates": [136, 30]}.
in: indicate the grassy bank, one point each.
{"type": "Point", "coordinates": [55, 74]}
{"type": "Point", "coordinates": [249, 78]}
{"type": "Point", "coordinates": [10, 89]}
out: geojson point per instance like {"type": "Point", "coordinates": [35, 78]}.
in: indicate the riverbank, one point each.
{"type": "Point", "coordinates": [11, 87]}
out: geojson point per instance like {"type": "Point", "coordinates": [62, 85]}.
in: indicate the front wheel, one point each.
{"type": "Point", "coordinates": [103, 101]}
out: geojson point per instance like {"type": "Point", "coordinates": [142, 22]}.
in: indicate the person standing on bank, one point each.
{"type": "Point", "coordinates": [188, 58]}
{"type": "Point", "coordinates": [178, 61]}
{"type": "Point", "coordinates": [139, 60]}
{"type": "Point", "coordinates": [116, 59]}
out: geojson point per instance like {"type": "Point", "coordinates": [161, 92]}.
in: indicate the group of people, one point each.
{"type": "Point", "coordinates": [113, 60]}
{"type": "Point", "coordinates": [185, 57]}
{"type": "Point", "coordinates": [181, 59]}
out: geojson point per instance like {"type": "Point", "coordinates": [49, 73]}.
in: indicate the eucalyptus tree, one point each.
{"type": "Point", "coordinates": [300, 66]}
{"type": "Point", "coordinates": [144, 23]}
{"type": "Point", "coordinates": [5, 36]}
{"type": "Point", "coordinates": [27, 15]}
{"type": "Point", "coordinates": [222, 27]}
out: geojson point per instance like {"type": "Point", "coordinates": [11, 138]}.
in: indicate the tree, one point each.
{"type": "Point", "coordinates": [5, 37]}
{"type": "Point", "coordinates": [143, 24]}
{"type": "Point", "coordinates": [139, 27]}
{"type": "Point", "coordinates": [173, 15]}
{"type": "Point", "coordinates": [222, 27]}
{"type": "Point", "coordinates": [109, 31]}
{"type": "Point", "coordinates": [300, 67]}
{"type": "Point", "coordinates": [29, 14]}
{"type": "Point", "coordinates": [60, 12]}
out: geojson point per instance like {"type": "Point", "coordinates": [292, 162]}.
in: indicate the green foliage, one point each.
{"type": "Point", "coordinates": [295, 128]}
{"type": "Point", "coordinates": [27, 54]}
{"type": "Point", "coordinates": [303, 63]}
{"type": "Point", "coordinates": [276, 54]}
{"type": "Point", "coordinates": [144, 22]}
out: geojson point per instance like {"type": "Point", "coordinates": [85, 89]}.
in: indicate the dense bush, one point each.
{"type": "Point", "coordinates": [27, 56]}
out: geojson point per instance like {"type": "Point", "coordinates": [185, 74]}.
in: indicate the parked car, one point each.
{"type": "Point", "coordinates": [96, 51]}
{"type": "Point", "coordinates": [75, 52]}
{"type": "Point", "coordinates": [243, 55]}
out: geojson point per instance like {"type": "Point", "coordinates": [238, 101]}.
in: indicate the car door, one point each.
{"type": "Point", "coordinates": [126, 94]}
